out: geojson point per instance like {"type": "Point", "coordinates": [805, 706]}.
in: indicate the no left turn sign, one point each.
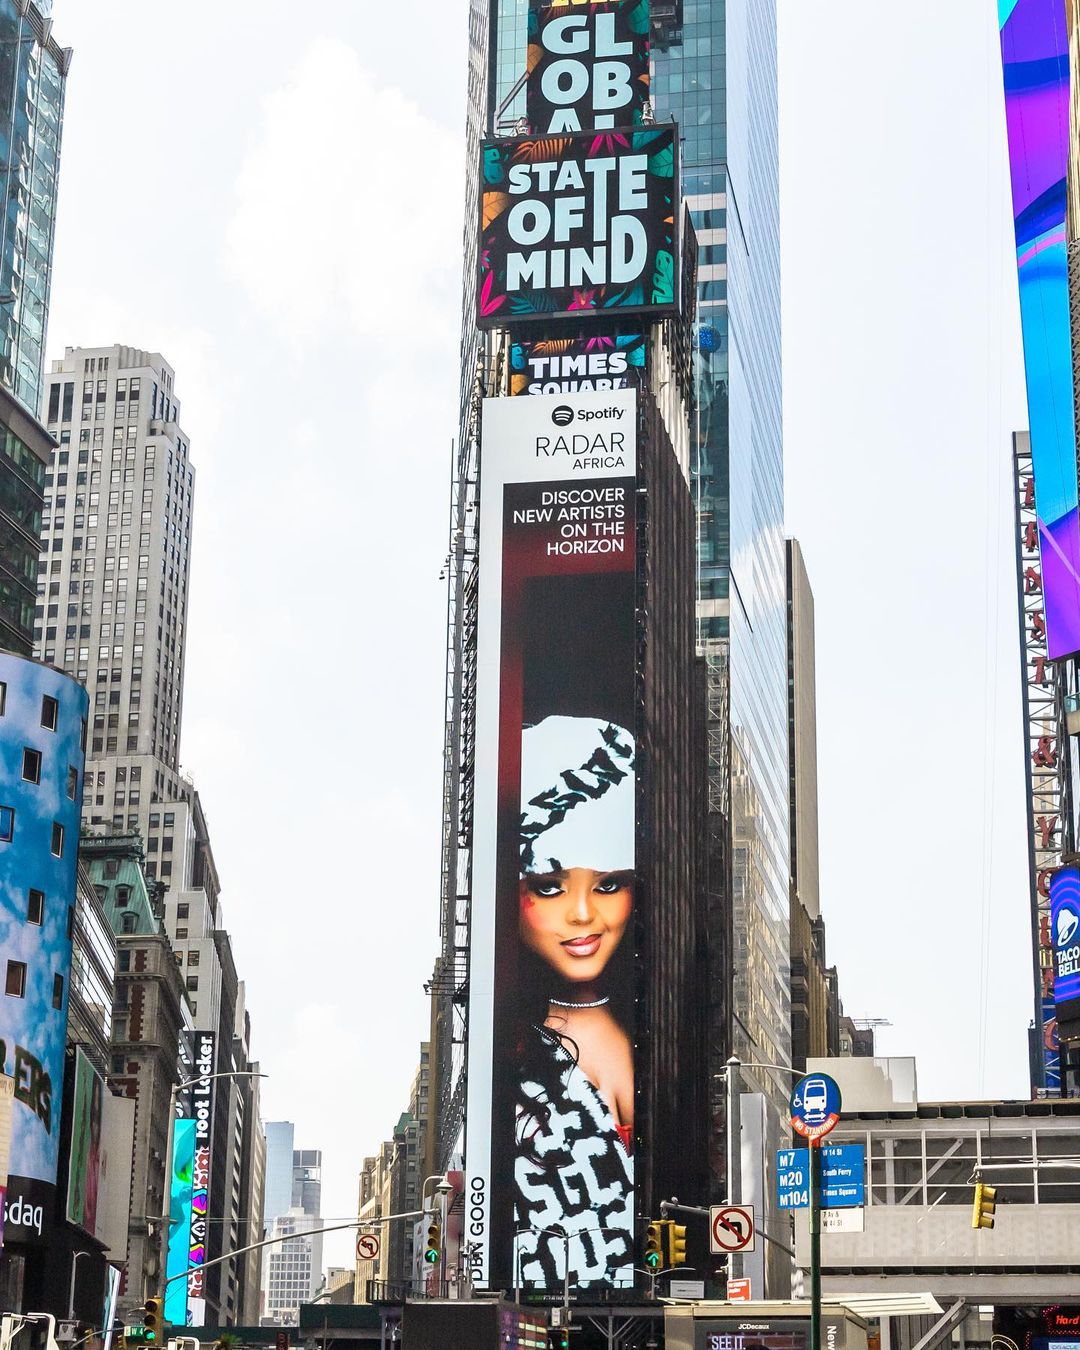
{"type": "Point", "coordinates": [731, 1229]}
{"type": "Point", "coordinates": [367, 1246]}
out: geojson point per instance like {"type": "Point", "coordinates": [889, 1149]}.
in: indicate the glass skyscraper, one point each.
{"type": "Point", "coordinates": [715, 73]}
{"type": "Point", "coordinates": [32, 74]}
{"type": "Point", "coordinates": [719, 82]}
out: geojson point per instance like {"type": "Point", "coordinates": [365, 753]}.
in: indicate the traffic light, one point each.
{"type": "Point", "coordinates": [433, 1249]}
{"type": "Point", "coordinates": [676, 1235]}
{"type": "Point", "coordinates": [982, 1213]}
{"type": "Point", "coordinates": [153, 1320]}
{"type": "Point", "coordinates": [654, 1244]}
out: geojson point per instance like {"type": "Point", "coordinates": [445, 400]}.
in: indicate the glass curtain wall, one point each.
{"type": "Point", "coordinates": [33, 70]}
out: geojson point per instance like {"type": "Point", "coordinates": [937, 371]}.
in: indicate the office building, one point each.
{"type": "Point", "coordinates": [32, 103]}
{"type": "Point", "coordinates": [292, 1272]}
{"type": "Point", "coordinates": [32, 111]}
{"type": "Point", "coordinates": [150, 1043]}
{"type": "Point", "coordinates": [810, 982]}
{"type": "Point", "coordinates": [115, 558]}
{"type": "Point", "coordinates": [374, 1202]}
{"type": "Point", "coordinates": [719, 81]}
{"type": "Point", "coordinates": [277, 1190]}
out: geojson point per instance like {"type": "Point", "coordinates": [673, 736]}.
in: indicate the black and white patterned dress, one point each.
{"type": "Point", "coordinates": [571, 1171]}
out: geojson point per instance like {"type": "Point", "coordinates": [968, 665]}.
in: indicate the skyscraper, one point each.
{"type": "Point", "coordinates": [33, 70]}
{"type": "Point", "coordinates": [715, 73]}
{"type": "Point", "coordinates": [810, 982]}
{"type": "Point", "coordinates": [115, 556]}
{"type": "Point", "coordinates": [718, 78]}
{"type": "Point", "coordinates": [293, 1271]}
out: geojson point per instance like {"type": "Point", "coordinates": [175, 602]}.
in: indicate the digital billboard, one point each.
{"type": "Point", "coordinates": [84, 1166]}
{"type": "Point", "coordinates": [1035, 58]}
{"type": "Point", "coordinates": [180, 1188]}
{"type": "Point", "coordinates": [588, 64]}
{"type": "Point", "coordinates": [550, 1142]}
{"type": "Point", "coordinates": [577, 365]}
{"type": "Point", "coordinates": [579, 224]}
{"type": "Point", "coordinates": [201, 1109]}
{"type": "Point", "coordinates": [42, 744]}
{"type": "Point", "coordinates": [189, 1190]}
{"type": "Point", "coordinates": [1065, 937]}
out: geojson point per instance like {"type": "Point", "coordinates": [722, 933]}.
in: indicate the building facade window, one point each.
{"type": "Point", "coordinates": [15, 983]}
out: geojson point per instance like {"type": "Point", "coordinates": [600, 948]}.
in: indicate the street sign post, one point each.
{"type": "Point", "coordinates": [815, 1112]}
{"type": "Point", "coordinates": [843, 1171]}
{"type": "Point", "coordinates": [731, 1229]}
{"type": "Point", "coordinates": [367, 1246]}
{"type": "Point", "coordinates": [815, 1106]}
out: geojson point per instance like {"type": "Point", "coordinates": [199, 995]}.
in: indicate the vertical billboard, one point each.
{"type": "Point", "coordinates": [84, 1165]}
{"type": "Point", "coordinates": [549, 1147]}
{"type": "Point", "coordinates": [1035, 58]}
{"type": "Point", "coordinates": [180, 1188]}
{"type": "Point", "coordinates": [580, 224]}
{"type": "Point", "coordinates": [201, 1109]}
{"type": "Point", "coordinates": [1065, 940]}
{"type": "Point", "coordinates": [189, 1191]}
{"type": "Point", "coordinates": [588, 64]}
{"type": "Point", "coordinates": [42, 745]}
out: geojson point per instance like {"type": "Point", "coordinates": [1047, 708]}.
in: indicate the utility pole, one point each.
{"type": "Point", "coordinates": [734, 1144]}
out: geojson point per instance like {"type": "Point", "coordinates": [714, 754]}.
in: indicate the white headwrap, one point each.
{"type": "Point", "coordinates": [577, 796]}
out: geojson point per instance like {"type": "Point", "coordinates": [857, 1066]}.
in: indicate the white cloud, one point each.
{"type": "Point", "coordinates": [338, 205]}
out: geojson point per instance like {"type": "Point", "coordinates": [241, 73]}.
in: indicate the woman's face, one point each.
{"type": "Point", "coordinates": [575, 919]}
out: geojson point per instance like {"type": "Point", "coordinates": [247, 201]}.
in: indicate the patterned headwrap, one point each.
{"type": "Point", "coordinates": [577, 796]}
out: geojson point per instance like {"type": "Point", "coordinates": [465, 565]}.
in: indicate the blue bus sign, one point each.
{"type": "Point", "coordinates": [815, 1106]}
{"type": "Point", "coordinates": [843, 1184]}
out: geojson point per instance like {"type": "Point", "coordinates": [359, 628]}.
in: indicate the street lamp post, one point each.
{"type": "Point", "coordinates": [76, 1257]}
{"type": "Point", "coordinates": [170, 1127]}
{"type": "Point", "coordinates": [559, 1232]}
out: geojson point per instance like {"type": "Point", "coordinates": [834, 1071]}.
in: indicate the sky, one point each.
{"type": "Point", "coordinates": [271, 196]}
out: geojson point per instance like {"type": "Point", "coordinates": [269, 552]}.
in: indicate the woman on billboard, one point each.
{"type": "Point", "coordinates": [573, 1166]}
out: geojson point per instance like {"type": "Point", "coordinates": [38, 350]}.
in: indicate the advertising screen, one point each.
{"type": "Point", "coordinates": [180, 1215]}
{"type": "Point", "coordinates": [84, 1168]}
{"type": "Point", "coordinates": [1065, 935]}
{"type": "Point", "coordinates": [1035, 56]}
{"type": "Point", "coordinates": [578, 224]}
{"type": "Point", "coordinates": [550, 1142]}
{"type": "Point", "coordinates": [588, 65]}
{"type": "Point", "coordinates": [41, 781]}
{"type": "Point", "coordinates": [578, 365]}
{"type": "Point", "coordinates": [201, 1109]}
